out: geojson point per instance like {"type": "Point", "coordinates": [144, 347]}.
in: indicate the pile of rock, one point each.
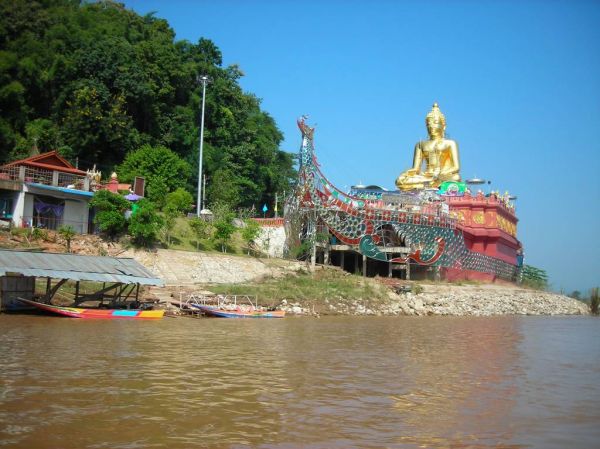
{"type": "Point", "coordinates": [485, 300]}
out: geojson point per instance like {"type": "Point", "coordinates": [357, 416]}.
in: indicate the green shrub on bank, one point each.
{"type": "Point", "coordinates": [110, 212]}
{"type": "Point", "coordinates": [533, 277]}
{"type": "Point", "coordinates": [145, 223]}
{"type": "Point", "coordinates": [595, 301]}
{"type": "Point", "coordinates": [310, 290]}
{"type": "Point", "coordinates": [67, 232]}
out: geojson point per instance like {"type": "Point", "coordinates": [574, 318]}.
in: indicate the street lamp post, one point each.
{"type": "Point", "coordinates": [204, 80]}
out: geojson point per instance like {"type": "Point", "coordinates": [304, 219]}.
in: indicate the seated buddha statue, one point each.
{"type": "Point", "coordinates": [439, 154]}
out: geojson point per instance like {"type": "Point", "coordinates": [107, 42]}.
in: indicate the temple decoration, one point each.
{"type": "Point", "coordinates": [94, 176]}
{"type": "Point", "coordinates": [447, 228]}
{"type": "Point", "coordinates": [438, 154]}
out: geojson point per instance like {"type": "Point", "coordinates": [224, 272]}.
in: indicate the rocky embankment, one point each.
{"type": "Point", "coordinates": [465, 300]}
{"type": "Point", "coordinates": [185, 273]}
{"type": "Point", "coordinates": [188, 271]}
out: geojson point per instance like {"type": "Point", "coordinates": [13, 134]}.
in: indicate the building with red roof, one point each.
{"type": "Point", "coordinates": [45, 191]}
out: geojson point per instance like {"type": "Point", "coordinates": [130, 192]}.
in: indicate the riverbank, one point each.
{"type": "Point", "coordinates": [441, 299]}
{"type": "Point", "coordinates": [482, 300]}
{"type": "Point", "coordinates": [289, 285]}
{"type": "Point", "coordinates": [328, 291]}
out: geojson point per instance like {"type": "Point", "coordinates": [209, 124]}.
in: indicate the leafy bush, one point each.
{"type": "Point", "coordinates": [595, 301]}
{"type": "Point", "coordinates": [67, 232]}
{"type": "Point", "coordinates": [250, 231]}
{"type": "Point", "coordinates": [201, 229]}
{"type": "Point", "coordinates": [163, 170]}
{"type": "Point", "coordinates": [417, 289]}
{"type": "Point", "coordinates": [145, 223]}
{"type": "Point", "coordinates": [534, 277]}
{"type": "Point", "coordinates": [110, 210]}
{"type": "Point", "coordinates": [157, 191]}
{"type": "Point", "coordinates": [223, 224]}
{"type": "Point", "coordinates": [224, 229]}
{"type": "Point", "coordinates": [39, 234]}
{"type": "Point", "coordinates": [180, 201]}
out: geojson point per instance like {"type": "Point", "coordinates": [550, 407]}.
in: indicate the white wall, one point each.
{"type": "Point", "coordinates": [23, 208]}
{"type": "Point", "coordinates": [76, 215]}
{"type": "Point", "coordinates": [272, 240]}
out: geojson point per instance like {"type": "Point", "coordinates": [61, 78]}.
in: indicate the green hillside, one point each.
{"type": "Point", "coordinates": [97, 81]}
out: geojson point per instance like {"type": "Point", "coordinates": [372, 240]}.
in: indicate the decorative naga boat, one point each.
{"type": "Point", "coordinates": [393, 227]}
{"type": "Point", "coordinates": [79, 312]}
{"type": "Point", "coordinates": [251, 312]}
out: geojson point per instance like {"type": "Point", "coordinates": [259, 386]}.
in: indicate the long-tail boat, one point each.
{"type": "Point", "coordinates": [79, 312]}
{"type": "Point", "coordinates": [239, 312]}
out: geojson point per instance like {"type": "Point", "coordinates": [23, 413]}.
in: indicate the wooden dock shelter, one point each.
{"type": "Point", "coordinates": [116, 281]}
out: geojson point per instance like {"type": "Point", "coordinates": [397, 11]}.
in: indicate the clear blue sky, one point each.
{"type": "Point", "coordinates": [518, 81]}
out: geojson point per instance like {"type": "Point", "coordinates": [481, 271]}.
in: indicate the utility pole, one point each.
{"type": "Point", "coordinates": [203, 192]}
{"type": "Point", "coordinates": [204, 80]}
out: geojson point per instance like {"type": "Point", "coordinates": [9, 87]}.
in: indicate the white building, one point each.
{"type": "Point", "coordinates": [45, 191]}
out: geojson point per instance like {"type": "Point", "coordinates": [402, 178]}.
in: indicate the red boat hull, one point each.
{"type": "Point", "coordinates": [77, 312]}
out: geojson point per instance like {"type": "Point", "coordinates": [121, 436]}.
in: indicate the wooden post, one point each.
{"type": "Point", "coordinates": [76, 290]}
{"type": "Point", "coordinates": [389, 269]}
{"type": "Point", "coordinates": [48, 285]}
{"type": "Point", "coordinates": [50, 294]}
{"type": "Point", "coordinates": [313, 256]}
{"type": "Point", "coordinates": [342, 259]}
{"type": "Point", "coordinates": [364, 265]}
{"type": "Point", "coordinates": [408, 269]}
{"type": "Point", "coordinates": [326, 256]}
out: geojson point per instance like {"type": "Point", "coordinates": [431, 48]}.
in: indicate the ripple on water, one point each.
{"type": "Point", "coordinates": [335, 382]}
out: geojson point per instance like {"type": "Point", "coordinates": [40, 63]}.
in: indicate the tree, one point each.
{"type": "Point", "coordinates": [534, 277]}
{"type": "Point", "coordinates": [595, 301]}
{"type": "Point", "coordinates": [169, 219]}
{"type": "Point", "coordinates": [250, 231]}
{"type": "Point", "coordinates": [157, 192]}
{"type": "Point", "coordinates": [180, 201]}
{"type": "Point", "coordinates": [223, 188]}
{"type": "Point", "coordinates": [110, 212]}
{"type": "Point", "coordinates": [223, 224]}
{"type": "Point", "coordinates": [67, 233]}
{"type": "Point", "coordinates": [201, 229]}
{"type": "Point", "coordinates": [98, 81]}
{"type": "Point", "coordinates": [224, 229]}
{"type": "Point", "coordinates": [159, 166]}
{"type": "Point", "coordinates": [145, 223]}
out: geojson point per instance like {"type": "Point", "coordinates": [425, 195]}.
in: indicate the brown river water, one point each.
{"type": "Point", "coordinates": [334, 382]}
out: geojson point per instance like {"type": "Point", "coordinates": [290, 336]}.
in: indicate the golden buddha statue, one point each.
{"type": "Point", "coordinates": [439, 154]}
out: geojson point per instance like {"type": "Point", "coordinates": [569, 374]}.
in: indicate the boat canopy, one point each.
{"type": "Point", "coordinates": [76, 267]}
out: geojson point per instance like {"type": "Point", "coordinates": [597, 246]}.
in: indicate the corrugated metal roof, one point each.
{"type": "Point", "coordinates": [76, 267]}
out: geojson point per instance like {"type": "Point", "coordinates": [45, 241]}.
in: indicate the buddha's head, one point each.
{"type": "Point", "coordinates": [436, 122]}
